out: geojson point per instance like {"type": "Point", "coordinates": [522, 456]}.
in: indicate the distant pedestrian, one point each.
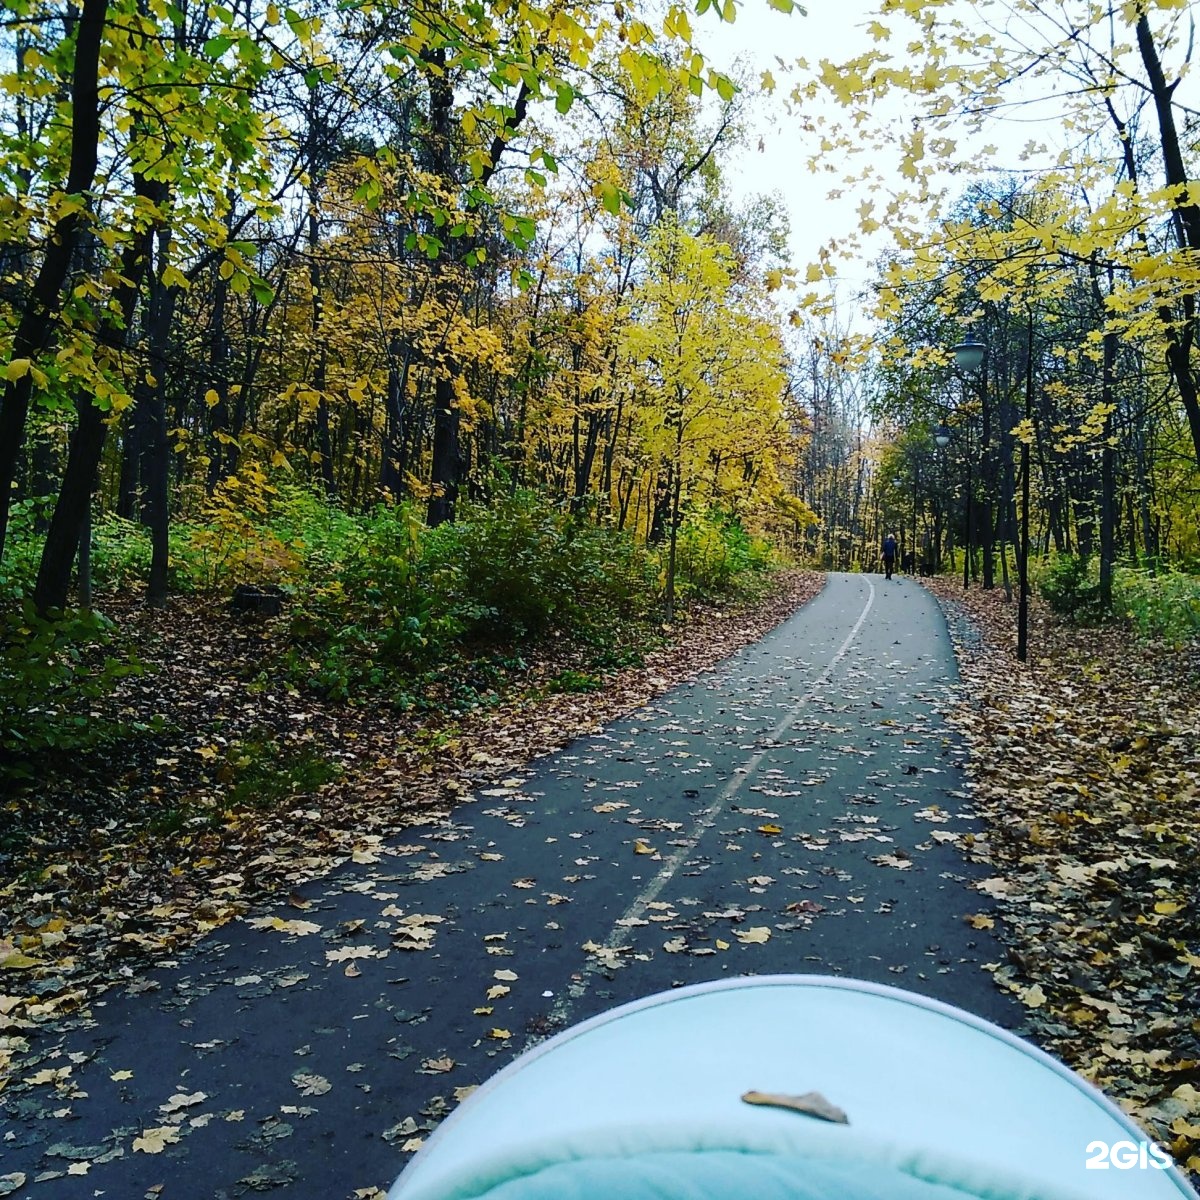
{"type": "Point", "coordinates": [889, 554]}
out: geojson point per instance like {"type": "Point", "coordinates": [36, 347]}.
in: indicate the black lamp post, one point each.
{"type": "Point", "coordinates": [1023, 563]}
{"type": "Point", "coordinates": [968, 356]}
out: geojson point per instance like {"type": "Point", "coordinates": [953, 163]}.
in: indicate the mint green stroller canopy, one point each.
{"type": "Point", "coordinates": [645, 1103]}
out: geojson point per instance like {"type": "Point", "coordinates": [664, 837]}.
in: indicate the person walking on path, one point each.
{"type": "Point", "coordinates": [889, 554]}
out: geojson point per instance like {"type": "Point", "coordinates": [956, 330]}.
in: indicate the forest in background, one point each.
{"type": "Point", "coordinates": [439, 337]}
{"type": "Point", "coordinates": [440, 323]}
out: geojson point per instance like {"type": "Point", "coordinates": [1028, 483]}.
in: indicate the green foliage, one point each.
{"type": "Point", "coordinates": [523, 568]}
{"type": "Point", "coordinates": [264, 772]}
{"type": "Point", "coordinates": [364, 622]}
{"type": "Point", "coordinates": [575, 681]}
{"type": "Point", "coordinates": [1163, 604]}
{"type": "Point", "coordinates": [49, 672]}
{"type": "Point", "coordinates": [235, 541]}
{"type": "Point", "coordinates": [320, 532]}
{"type": "Point", "coordinates": [18, 569]}
{"type": "Point", "coordinates": [716, 554]}
{"type": "Point", "coordinates": [1070, 584]}
{"type": "Point", "coordinates": [120, 553]}
{"type": "Point", "coordinates": [391, 607]}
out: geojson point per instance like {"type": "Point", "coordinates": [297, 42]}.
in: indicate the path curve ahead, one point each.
{"type": "Point", "coordinates": [794, 810]}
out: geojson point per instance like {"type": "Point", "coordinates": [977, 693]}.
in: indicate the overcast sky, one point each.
{"type": "Point", "coordinates": [761, 35]}
{"type": "Point", "coordinates": [836, 29]}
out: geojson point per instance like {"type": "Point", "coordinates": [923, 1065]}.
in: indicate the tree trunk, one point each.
{"type": "Point", "coordinates": [87, 441]}
{"type": "Point", "coordinates": [218, 365]}
{"type": "Point", "coordinates": [1187, 211]}
{"type": "Point", "coordinates": [35, 330]}
{"type": "Point", "coordinates": [1108, 473]}
{"type": "Point", "coordinates": [160, 317]}
{"type": "Point", "coordinates": [444, 471]}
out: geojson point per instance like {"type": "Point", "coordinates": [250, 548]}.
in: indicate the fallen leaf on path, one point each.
{"type": "Point", "coordinates": [812, 1104]}
{"type": "Point", "coordinates": [153, 1141]}
{"type": "Point", "coordinates": [311, 1085]}
{"type": "Point", "coordinates": [755, 936]}
{"type": "Point", "coordinates": [349, 952]}
{"type": "Point", "coordinates": [182, 1100]}
{"type": "Point", "coordinates": [1033, 996]}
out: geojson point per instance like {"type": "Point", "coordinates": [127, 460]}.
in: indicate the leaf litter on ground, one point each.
{"type": "Point", "coordinates": [155, 846]}
{"type": "Point", "coordinates": [1086, 767]}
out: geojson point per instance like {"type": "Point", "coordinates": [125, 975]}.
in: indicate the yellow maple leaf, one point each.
{"type": "Point", "coordinates": [1033, 996]}
{"type": "Point", "coordinates": [153, 1141]}
{"type": "Point", "coordinates": [755, 936]}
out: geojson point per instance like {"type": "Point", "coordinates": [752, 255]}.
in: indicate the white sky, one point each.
{"type": "Point", "coordinates": [760, 35]}
{"type": "Point", "coordinates": [833, 29]}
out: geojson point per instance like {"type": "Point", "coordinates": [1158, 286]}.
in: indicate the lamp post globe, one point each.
{"type": "Point", "coordinates": [969, 354]}
{"type": "Point", "coordinates": [942, 435]}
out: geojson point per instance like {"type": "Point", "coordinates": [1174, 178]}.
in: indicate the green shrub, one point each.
{"type": "Point", "coordinates": [120, 553]}
{"type": "Point", "coordinates": [23, 546]}
{"type": "Point", "coordinates": [714, 554]}
{"type": "Point", "coordinates": [321, 532]}
{"type": "Point", "coordinates": [366, 622]}
{"type": "Point", "coordinates": [1164, 604]}
{"type": "Point", "coordinates": [50, 672]}
{"type": "Point", "coordinates": [1071, 587]}
{"type": "Point", "coordinates": [523, 567]}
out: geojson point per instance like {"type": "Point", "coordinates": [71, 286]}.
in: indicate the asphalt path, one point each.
{"type": "Point", "coordinates": [800, 808]}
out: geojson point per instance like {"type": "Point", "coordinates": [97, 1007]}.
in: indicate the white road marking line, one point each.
{"type": "Point", "coordinates": [561, 1009]}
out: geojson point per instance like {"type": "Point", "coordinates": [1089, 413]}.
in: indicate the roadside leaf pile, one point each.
{"type": "Point", "coordinates": [133, 860]}
{"type": "Point", "coordinates": [1086, 767]}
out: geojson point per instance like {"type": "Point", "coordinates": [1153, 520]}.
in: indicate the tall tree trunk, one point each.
{"type": "Point", "coordinates": [35, 329]}
{"type": "Point", "coordinates": [87, 440]}
{"type": "Point", "coordinates": [161, 315]}
{"type": "Point", "coordinates": [1187, 224]}
{"type": "Point", "coordinates": [675, 491]}
{"type": "Point", "coordinates": [445, 468]}
{"type": "Point", "coordinates": [218, 365]}
{"type": "Point", "coordinates": [324, 442]}
{"type": "Point", "coordinates": [988, 464]}
{"type": "Point", "coordinates": [1108, 475]}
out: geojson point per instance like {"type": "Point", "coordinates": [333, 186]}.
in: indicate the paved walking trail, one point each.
{"type": "Point", "coordinates": [803, 793]}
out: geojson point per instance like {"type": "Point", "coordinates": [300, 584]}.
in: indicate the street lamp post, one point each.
{"type": "Point", "coordinates": [1023, 564]}
{"type": "Point", "coordinates": [968, 355]}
